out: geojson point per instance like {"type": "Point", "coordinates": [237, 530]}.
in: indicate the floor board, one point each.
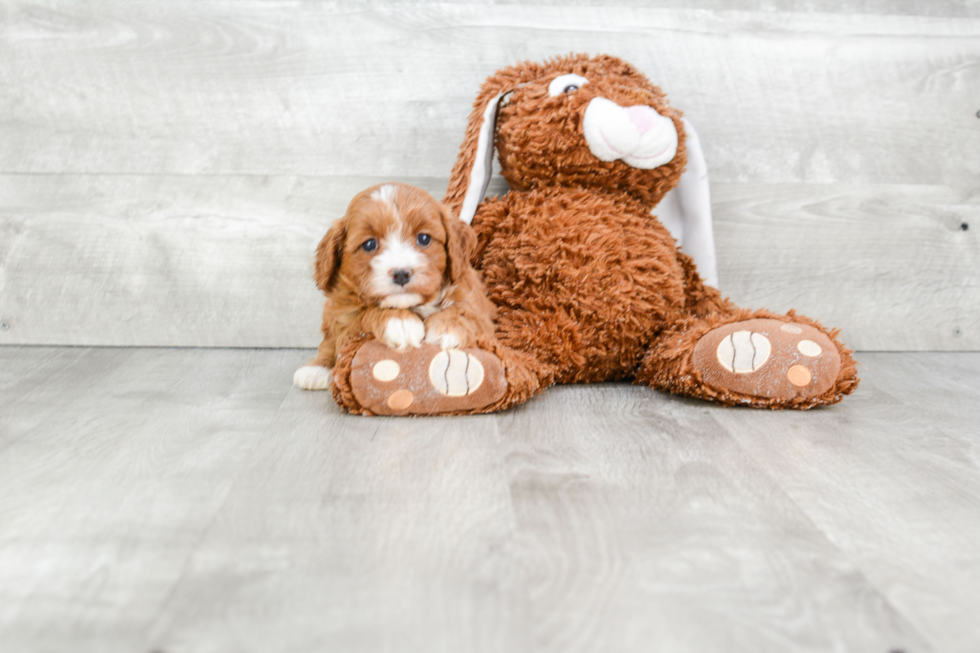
{"type": "Point", "coordinates": [102, 501]}
{"type": "Point", "coordinates": [190, 500]}
{"type": "Point", "coordinates": [894, 483]}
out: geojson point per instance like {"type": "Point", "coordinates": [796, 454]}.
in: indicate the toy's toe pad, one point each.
{"type": "Point", "coordinates": [425, 381]}
{"type": "Point", "coordinates": [455, 373]}
{"type": "Point", "coordinates": [769, 359]}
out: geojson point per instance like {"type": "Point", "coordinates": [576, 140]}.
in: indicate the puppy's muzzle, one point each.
{"type": "Point", "coordinates": [401, 277]}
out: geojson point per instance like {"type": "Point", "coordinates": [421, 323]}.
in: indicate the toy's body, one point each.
{"type": "Point", "coordinates": [586, 285]}
{"type": "Point", "coordinates": [590, 286]}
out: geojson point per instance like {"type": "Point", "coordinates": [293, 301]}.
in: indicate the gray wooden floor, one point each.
{"type": "Point", "coordinates": [191, 500]}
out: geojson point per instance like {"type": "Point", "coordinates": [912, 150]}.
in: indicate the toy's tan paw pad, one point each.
{"type": "Point", "coordinates": [768, 358]}
{"type": "Point", "coordinates": [743, 351]}
{"type": "Point", "coordinates": [455, 373]}
{"type": "Point", "coordinates": [425, 381]}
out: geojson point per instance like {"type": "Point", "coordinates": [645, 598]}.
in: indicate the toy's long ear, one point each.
{"type": "Point", "coordinates": [686, 210]}
{"type": "Point", "coordinates": [471, 173]}
{"type": "Point", "coordinates": [460, 245]}
{"type": "Point", "coordinates": [329, 254]}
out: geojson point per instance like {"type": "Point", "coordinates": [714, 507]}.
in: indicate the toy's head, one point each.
{"type": "Point", "coordinates": [575, 121]}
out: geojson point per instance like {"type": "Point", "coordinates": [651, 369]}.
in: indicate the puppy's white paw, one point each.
{"type": "Point", "coordinates": [312, 377]}
{"type": "Point", "coordinates": [445, 339]}
{"type": "Point", "coordinates": [403, 333]}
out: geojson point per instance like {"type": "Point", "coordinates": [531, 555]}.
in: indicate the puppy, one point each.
{"type": "Point", "coordinates": [397, 265]}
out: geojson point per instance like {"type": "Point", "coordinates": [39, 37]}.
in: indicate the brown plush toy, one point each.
{"type": "Point", "coordinates": [588, 284]}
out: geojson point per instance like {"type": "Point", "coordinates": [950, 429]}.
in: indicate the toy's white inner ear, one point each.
{"type": "Point", "coordinates": [482, 162]}
{"type": "Point", "coordinates": [563, 83]}
{"type": "Point", "coordinates": [686, 210]}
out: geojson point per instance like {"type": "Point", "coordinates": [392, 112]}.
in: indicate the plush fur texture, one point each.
{"type": "Point", "coordinates": [397, 266]}
{"type": "Point", "coordinates": [588, 285]}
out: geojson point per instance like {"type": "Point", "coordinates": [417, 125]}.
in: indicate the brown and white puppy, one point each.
{"type": "Point", "coordinates": [397, 265]}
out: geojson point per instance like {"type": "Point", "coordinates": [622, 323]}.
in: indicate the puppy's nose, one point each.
{"type": "Point", "coordinates": [401, 277]}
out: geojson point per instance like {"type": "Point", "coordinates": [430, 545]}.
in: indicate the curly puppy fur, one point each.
{"type": "Point", "coordinates": [589, 286]}
{"type": "Point", "coordinates": [439, 293]}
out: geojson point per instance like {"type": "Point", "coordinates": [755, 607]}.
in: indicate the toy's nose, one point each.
{"type": "Point", "coordinates": [638, 135]}
{"type": "Point", "coordinates": [401, 277]}
{"type": "Point", "coordinates": [644, 118]}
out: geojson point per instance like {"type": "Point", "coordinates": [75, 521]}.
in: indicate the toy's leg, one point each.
{"type": "Point", "coordinates": [748, 358]}
{"type": "Point", "coordinates": [701, 300]}
{"type": "Point", "coordinates": [372, 379]}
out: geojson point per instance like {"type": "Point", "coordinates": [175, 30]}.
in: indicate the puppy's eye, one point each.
{"type": "Point", "coordinates": [423, 239]}
{"type": "Point", "coordinates": [571, 88]}
{"type": "Point", "coordinates": [369, 245]}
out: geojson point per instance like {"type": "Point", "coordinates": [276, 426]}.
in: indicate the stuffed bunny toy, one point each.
{"type": "Point", "coordinates": [589, 285]}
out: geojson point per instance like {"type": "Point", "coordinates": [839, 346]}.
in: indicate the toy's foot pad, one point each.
{"type": "Point", "coordinates": [768, 358]}
{"type": "Point", "coordinates": [425, 381]}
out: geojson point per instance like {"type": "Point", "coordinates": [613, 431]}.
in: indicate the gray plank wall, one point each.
{"type": "Point", "coordinates": [166, 169]}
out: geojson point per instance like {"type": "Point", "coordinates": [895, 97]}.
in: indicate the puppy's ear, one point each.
{"type": "Point", "coordinates": [460, 245]}
{"type": "Point", "coordinates": [329, 254]}
{"type": "Point", "coordinates": [471, 173]}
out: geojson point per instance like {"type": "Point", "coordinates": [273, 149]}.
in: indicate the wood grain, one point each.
{"type": "Point", "coordinates": [383, 90]}
{"type": "Point", "coordinates": [102, 501]}
{"type": "Point", "coordinates": [32, 380]}
{"type": "Point", "coordinates": [939, 8]}
{"type": "Point", "coordinates": [154, 260]}
{"type": "Point", "coordinates": [169, 167]}
{"type": "Point", "coordinates": [895, 267]}
{"type": "Point", "coordinates": [903, 456]}
{"type": "Point", "coordinates": [227, 260]}
{"type": "Point", "coordinates": [363, 535]}
{"type": "Point", "coordinates": [189, 500]}
{"type": "Point", "coordinates": [645, 527]}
